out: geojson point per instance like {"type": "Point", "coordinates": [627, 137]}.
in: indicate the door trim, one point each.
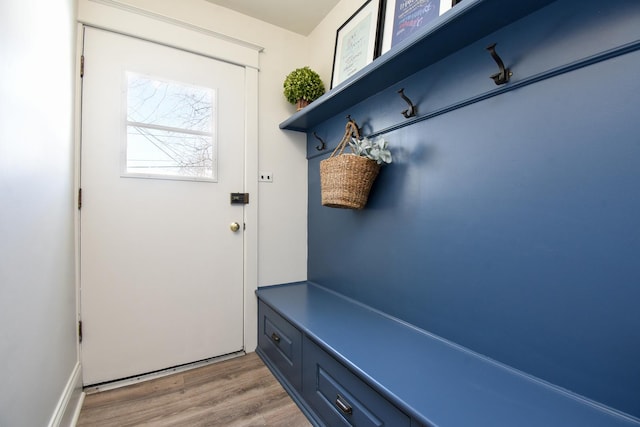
{"type": "Point", "coordinates": [178, 23]}
{"type": "Point", "coordinates": [250, 235]}
{"type": "Point", "coordinates": [150, 26]}
{"type": "Point", "coordinates": [251, 212]}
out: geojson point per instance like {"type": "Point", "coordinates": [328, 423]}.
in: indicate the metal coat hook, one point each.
{"type": "Point", "coordinates": [412, 110]}
{"type": "Point", "coordinates": [322, 145]}
{"type": "Point", "coordinates": [354, 124]}
{"type": "Point", "coordinates": [503, 75]}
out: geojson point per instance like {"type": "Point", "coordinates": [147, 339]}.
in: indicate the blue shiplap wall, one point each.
{"type": "Point", "coordinates": [510, 225]}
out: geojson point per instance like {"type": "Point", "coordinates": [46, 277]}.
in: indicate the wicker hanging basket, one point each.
{"type": "Point", "coordinates": [346, 179]}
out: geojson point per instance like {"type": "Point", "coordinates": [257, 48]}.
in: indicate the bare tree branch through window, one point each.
{"type": "Point", "coordinates": [170, 129]}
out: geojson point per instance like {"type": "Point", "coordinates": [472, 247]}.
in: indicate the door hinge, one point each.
{"type": "Point", "coordinates": [81, 66]}
{"type": "Point", "coordinates": [79, 331]}
{"type": "Point", "coordinates": [79, 198]}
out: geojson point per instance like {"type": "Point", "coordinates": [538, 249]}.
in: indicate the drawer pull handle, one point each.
{"type": "Point", "coordinates": [275, 338]}
{"type": "Point", "coordinates": [343, 406]}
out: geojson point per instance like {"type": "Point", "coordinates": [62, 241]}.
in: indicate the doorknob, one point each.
{"type": "Point", "coordinates": [234, 226]}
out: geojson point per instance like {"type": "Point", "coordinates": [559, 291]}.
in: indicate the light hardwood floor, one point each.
{"type": "Point", "coordinates": [236, 392]}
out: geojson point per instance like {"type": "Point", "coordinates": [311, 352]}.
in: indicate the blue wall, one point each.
{"type": "Point", "coordinates": [510, 225]}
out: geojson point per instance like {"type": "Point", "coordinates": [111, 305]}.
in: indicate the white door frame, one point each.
{"type": "Point", "coordinates": [121, 18]}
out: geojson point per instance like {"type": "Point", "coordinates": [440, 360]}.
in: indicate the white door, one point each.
{"type": "Point", "coordinates": [162, 149]}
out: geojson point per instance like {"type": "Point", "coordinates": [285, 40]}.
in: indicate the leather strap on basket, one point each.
{"type": "Point", "coordinates": [351, 130]}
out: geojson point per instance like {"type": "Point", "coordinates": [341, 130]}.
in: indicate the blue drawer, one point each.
{"type": "Point", "coordinates": [339, 398]}
{"type": "Point", "coordinates": [281, 343]}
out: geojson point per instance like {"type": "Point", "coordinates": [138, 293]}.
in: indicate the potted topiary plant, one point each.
{"type": "Point", "coordinates": [303, 86]}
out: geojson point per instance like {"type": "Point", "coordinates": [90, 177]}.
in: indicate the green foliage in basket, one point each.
{"type": "Point", "coordinates": [375, 150]}
{"type": "Point", "coordinates": [303, 83]}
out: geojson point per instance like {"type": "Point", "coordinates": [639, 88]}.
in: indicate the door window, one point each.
{"type": "Point", "coordinates": [170, 130]}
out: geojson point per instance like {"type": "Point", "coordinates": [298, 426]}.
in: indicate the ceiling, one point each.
{"type": "Point", "coordinates": [299, 16]}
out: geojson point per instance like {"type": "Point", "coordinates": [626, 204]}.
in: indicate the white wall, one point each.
{"type": "Point", "coordinates": [282, 247]}
{"type": "Point", "coordinates": [283, 204]}
{"type": "Point", "coordinates": [322, 39]}
{"type": "Point", "coordinates": [37, 279]}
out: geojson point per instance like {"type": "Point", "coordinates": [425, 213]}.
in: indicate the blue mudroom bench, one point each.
{"type": "Point", "coordinates": [346, 364]}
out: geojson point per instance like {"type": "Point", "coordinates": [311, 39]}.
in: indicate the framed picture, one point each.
{"type": "Point", "coordinates": [357, 41]}
{"type": "Point", "coordinates": [404, 18]}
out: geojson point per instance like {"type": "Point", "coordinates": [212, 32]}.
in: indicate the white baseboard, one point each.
{"type": "Point", "coordinates": [68, 408]}
{"type": "Point", "coordinates": [76, 412]}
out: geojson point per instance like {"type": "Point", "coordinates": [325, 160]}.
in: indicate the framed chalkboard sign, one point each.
{"type": "Point", "coordinates": [406, 17]}
{"type": "Point", "coordinates": [357, 41]}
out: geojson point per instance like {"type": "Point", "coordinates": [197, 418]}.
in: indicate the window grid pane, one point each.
{"type": "Point", "coordinates": [170, 129]}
